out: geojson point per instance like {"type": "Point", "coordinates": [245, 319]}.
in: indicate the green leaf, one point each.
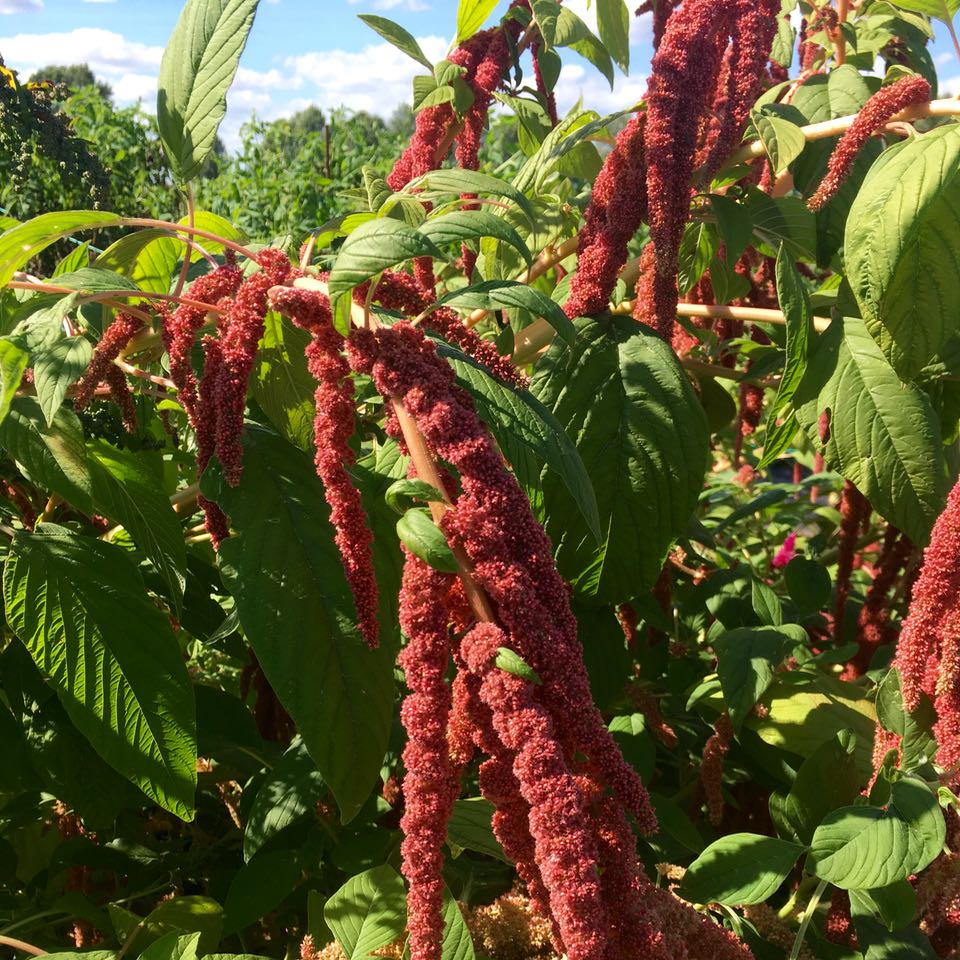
{"type": "Point", "coordinates": [511, 662]}
{"type": "Point", "coordinates": [884, 434]}
{"type": "Point", "coordinates": [902, 267]}
{"type": "Point", "coordinates": [510, 294]}
{"type": "Point", "coordinates": [545, 13]}
{"type": "Point", "coordinates": [782, 140]}
{"type": "Point", "coordinates": [72, 600]}
{"type": "Point", "coordinates": [339, 693]}
{"type": "Point", "coordinates": [289, 794]}
{"type": "Point", "coordinates": [896, 904]}
{"type": "Point", "coordinates": [748, 659]}
{"type": "Point", "coordinates": [401, 492]}
{"type": "Point", "coordinates": [472, 225]}
{"type": "Point", "coordinates": [13, 363]}
{"type": "Point", "coordinates": [940, 9]}
{"type": "Point", "coordinates": [282, 385]}
{"type": "Point", "coordinates": [734, 223]}
{"type": "Point", "coordinates": [456, 180]}
{"type": "Point", "coordinates": [827, 779]}
{"type": "Point", "coordinates": [56, 369]}
{"type": "Point", "coordinates": [172, 946]}
{"type": "Point", "coordinates": [469, 827]}
{"type": "Point", "coordinates": [127, 491]}
{"type": "Point", "coordinates": [808, 583]}
{"type": "Point", "coordinates": [148, 257]}
{"type": "Point", "coordinates": [457, 943]}
{"type": "Point", "coordinates": [471, 16]}
{"type": "Point", "coordinates": [876, 941]}
{"type": "Point", "coordinates": [96, 280]}
{"type": "Point", "coordinates": [260, 886]}
{"type": "Point", "coordinates": [424, 539]}
{"type": "Point", "coordinates": [619, 391]}
{"type": "Point", "coordinates": [766, 604]}
{"type": "Point", "coordinates": [781, 425]}
{"type": "Point", "coordinates": [23, 242]}
{"type": "Point", "coordinates": [613, 22]}
{"type": "Point", "coordinates": [197, 69]}
{"type": "Point", "coordinates": [861, 847]}
{"type": "Point", "coordinates": [78, 257]}
{"type": "Point", "coordinates": [806, 710]}
{"type": "Point", "coordinates": [193, 913]}
{"type": "Point", "coordinates": [368, 911]}
{"type": "Point", "coordinates": [52, 456]}
{"type": "Point", "coordinates": [741, 868]}
{"type": "Point", "coordinates": [917, 743]}
{"type": "Point", "coordinates": [395, 34]}
{"type": "Point", "coordinates": [530, 436]}
{"type": "Point", "coordinates": [373, 247]}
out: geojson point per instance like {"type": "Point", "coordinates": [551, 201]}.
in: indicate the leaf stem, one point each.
{"type": "Point", "coordinates": [22, 945]}
{"type": "Point", "coordinates": [188, 249]}
{"type": "Point", "coordinates": [807, 916]}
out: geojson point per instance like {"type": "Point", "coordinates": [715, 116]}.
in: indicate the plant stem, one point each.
{"type": "Point", "coordinates": [953, 37]}
{"type": "Point", "coordinates": [188, 249]}
{"type": "Point", "coordinates": [131, 370]}
{"type": "Point", "coordinates": [190, 231]}
{"type": "Point", "coordinates": [808, 913]}
{"type": "Point", "coordinates": [22, 945]}
{"type": "Point", "coordinates": [839, 40]}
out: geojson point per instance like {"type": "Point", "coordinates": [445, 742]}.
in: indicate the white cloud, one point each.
{"type": "Point", "coordinates": [585, 83]}
{"type": "Point", "coordinates": [377, 78]}
{"type": "Point", "coordinates": [21, 6]}
{"type": "Point", "coordinates": [414, 6]}
{"type": "Point", "coordinates": [109, 54]}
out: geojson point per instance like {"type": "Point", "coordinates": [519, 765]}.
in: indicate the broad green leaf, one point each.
{"type": "Point", "coordinates": [197, 69]}
{"type": "Point", "coordinates": [191, 914]}
{"type": "Point", "coordinates": [826, 780]}
{"type": "Point", "coordinates": [748, 657]}
{"type": "Point", "coordinates": [395, 34]}
{"type": "Point", "coordinates": [546, 13]}
{"type": "Point", "coordinates": [782, 140]}
{"type": "Point", "coordinates": [528, 434]}
{"type": "Point", "coordinates": [281, 384]}
{"type": "Point", "coordinates": [260, 886]}
{"type": "Point", "coordinates": [472, 225]}
{"type": "Point", "coordinates": [944, 10]}
{"type": "Point", "coordinates": [72, 601]}
{"type": "Point", "coordinates": [368, 911]}
{"type": "Point", "coordinates": [23, 242]}
{"type": "Point", "coordinates": [130, 493]}
{"type": "Point", "coordinates": [917, 743]}
{"type": "Point", "coordinates": [510, 294]}
{"type": "Point", "coordinates": [424, 539]}
{"type": "Point", "coordinates": [877, 942]}
{"type": "Point", "coordinates": [56, 369]}
{"type": "Point", "coordinates": [613, 22]}
{"type": "Point", "coordinates": [781, 425]}
{"type": "Point", "coordinates": [148, 257]}
{"type": "Point", "coordinates": [211, 223]}
{"type": "Point", "coordinates": [861, 847]}
{"type": "Point", "coordinates": [53, 456]}
{"type": "Point", "coordinates": [78, 257]}
{"type": "Point", "coordinates": [457, 943]}
{"type": "Point", "coordinates": [619, 391]}
{"type": "Point", "coordinates": [373, 247]}
{"type": "Point", "coordinates": [339, 693]}
{"type": "Point", "coordinates": [884, 434]}
{"type": "Point", "coordinates": [902, 267]}
{"type": "Point", "coordinates": [469, 827]}
{"type": "Point", "coordinates": [805, 711]}
{"type": "Point", "coordinates": [96, 280]}
{"type": "Point", "coordinates": [13, 363]}
{"type": "Point", "coordinates": [172, 946]}
{"type": "Point", "coordinates": [456, 180]}
{"type": "Point", "coordinates": [471, 16]}
{"type": "Point", "coordinates": [766, 604]}
{"type": "Point", "coordinates": [734, 224]}
{"type": "Point", "coordinates": [290, 793]}
{"type": "Point", "coordinates": [895, 904]}
{"type": "Point", "coordinates": [809, 584]}
{"type": "Point", "coordinates": [741, 868]}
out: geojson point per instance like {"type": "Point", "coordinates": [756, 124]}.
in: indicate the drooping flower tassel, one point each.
{"type": "Point", "coordinates": [928, 651]}
{"type": "Point", "coordinates": [876, 112]}
{"type": "Point", "coordinates": [114, 339]}
{"type": "Point", "coordinates": [854, 513]}
{"type": "Point", "coordinates": [429, 785]}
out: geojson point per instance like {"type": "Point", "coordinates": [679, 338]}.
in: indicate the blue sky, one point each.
{"type": "Point", "coordinates": [299, 52]}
